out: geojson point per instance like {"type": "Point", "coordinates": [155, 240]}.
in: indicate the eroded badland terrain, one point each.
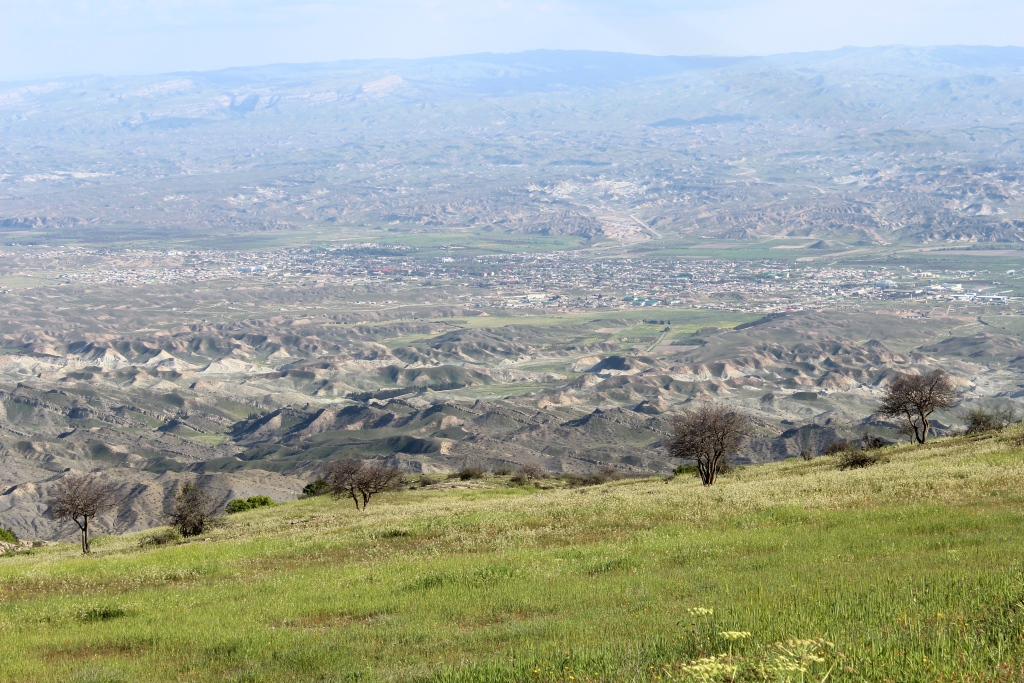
{"type": "Point", "coordinates": [493, 260]}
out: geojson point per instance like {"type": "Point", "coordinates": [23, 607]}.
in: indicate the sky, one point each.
{"type": "Point", "coordinates": [49, 38]}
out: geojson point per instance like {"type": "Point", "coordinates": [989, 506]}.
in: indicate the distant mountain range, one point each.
{"type": "Point", "coordinates": [875, 145]}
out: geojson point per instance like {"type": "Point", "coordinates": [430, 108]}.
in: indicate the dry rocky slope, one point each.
{"type": "Point", "coordinates": [257, 407]}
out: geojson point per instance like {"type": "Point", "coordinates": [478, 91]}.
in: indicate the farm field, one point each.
{"type": "Point", "coordinates": [908, 570]}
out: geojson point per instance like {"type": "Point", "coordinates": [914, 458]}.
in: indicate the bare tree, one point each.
{"type": "Point", "coordinates": [342, 476]}
{"type": "Point", "coordinates": [80, 498]}
{"type": "Point", "coordinates": [376, 479]}
{"type": "Point", "coordinates": [193, 508]}
{"type": "Point", "coordinates": [708, 434]}
{"type": "Point", "coordinates": [360, 481]}
{"type": "Point", "coordinates": [915, 397]}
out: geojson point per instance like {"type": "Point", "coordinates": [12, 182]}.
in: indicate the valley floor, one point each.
{"type": "Point", "coordinates": [909, 570]}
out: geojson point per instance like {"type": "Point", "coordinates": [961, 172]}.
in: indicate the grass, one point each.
{"type": "Point", "coordinates": [912, 569]}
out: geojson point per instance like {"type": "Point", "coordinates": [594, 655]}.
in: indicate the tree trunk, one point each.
{"type": "Point", "coordinates": [706, 470]}
{"type": "Point", "coordinates": [85, 536]}
{"type": "Point", "coordinates": [914, 427]}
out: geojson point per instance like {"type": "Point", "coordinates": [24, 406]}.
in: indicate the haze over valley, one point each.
{"type": "Point", "coordinates": [494, 260]}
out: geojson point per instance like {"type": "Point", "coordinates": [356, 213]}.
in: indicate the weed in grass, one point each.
{"type": "Point", "coordinates": [160, 537]}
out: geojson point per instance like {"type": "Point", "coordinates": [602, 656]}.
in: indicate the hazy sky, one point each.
{"type": "Point", "coordinates": [42, 38]}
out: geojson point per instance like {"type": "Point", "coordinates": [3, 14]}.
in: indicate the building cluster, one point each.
{"type": "Point", "coordinates": [566, 280]}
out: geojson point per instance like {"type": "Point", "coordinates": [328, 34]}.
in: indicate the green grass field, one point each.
{"type": "Point", "coordinates": [910, 570]}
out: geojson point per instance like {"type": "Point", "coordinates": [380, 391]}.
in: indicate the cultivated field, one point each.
{"type": "Point", "coordinates": [909, 570]}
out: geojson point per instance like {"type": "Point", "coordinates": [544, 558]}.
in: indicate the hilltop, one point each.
{"type": "Point", "coordinates": [907, 570]}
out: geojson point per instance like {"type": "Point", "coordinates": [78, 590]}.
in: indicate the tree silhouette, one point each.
{"type": "Point", "coordinates": [361, 481]}
{"type": "Point", "coordinates": [81, 498]}
{"type": "Point", "coordinates": [914, 398]}
{"type": "Point", "coordinates": [708, 435]}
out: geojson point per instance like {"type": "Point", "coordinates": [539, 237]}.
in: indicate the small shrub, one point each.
{"type": "Point", "coordinates": [836, 447]}
{"type": "Point", "coordinates": [602, 476]}
{"type": "Point", "coordinates": [608, 473]}
{"type": "Point", "coordinates": [533, 472]}
{"type": "Point", "coordinates": [870, 442]}
{"type": "Point", "coordinates": [471, 472]}
{"type": "Point", "coordinates": [260, 501]}
{"type": "Point", "coordinates": [527, 474]}
{"type": "Point", "coordinates": [684, 470]}
{"type": "Point", "coordinates": [575, 480]}
{"type": "Point", "coordinates": [982, 420]}
{"type": "Point", "coordinates": [237, 505]}
{"type": "Point", "coordinates": [161, 537]}
{"type": "Point", "coordinates": [317, 487]}
{"type": "Point", "coordinates": [427, 480]}
{"type": "Point", "coordinates": [855, 457]}
{"type": "Point", "coordinates": [8, 536]}
{"type": "Point", "coordinates": [806, 454]}
{"type": "Point", "coordinates": [503, 471]}
{"type": "Point", "coordinates": [251, 503]}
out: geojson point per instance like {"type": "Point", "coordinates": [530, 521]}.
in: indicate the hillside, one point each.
{"type": "Point", "coordinates": [259, 407]}
{"type": "Point", "coordinates": [911, 570]}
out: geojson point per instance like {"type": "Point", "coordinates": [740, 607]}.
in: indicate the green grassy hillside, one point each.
{"type": "Point", "coordinates": [911, 570]}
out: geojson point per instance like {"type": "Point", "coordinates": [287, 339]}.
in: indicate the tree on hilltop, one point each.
{"type": "Point", "coordinates": [361, 481]}
{"type": "Point", "coordinates": [708, 435]}
{"type": "Point", "coordinates": [913, 398]}
{"type": "Point", "coordinates": [80, 498]}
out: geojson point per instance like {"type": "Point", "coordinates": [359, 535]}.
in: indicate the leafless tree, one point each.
{"type": "Point", "coordinates": [342, 476]}
{"type": "Point", "coordinates": [193, 508]}
{"type": "Point", "coordinates": [80, 498]}
{"type": "Point", "coordinates": [376, 479]}
{"type": "Point", "coordinates": [915, 397]}
{"type": "Point", "coordinates": [708, 435]}
{"type": "Point", "coordinates": [361, 481]}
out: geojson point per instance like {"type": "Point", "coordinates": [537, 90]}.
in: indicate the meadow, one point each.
{"type": "Point", "coordinates": [908, 570]}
